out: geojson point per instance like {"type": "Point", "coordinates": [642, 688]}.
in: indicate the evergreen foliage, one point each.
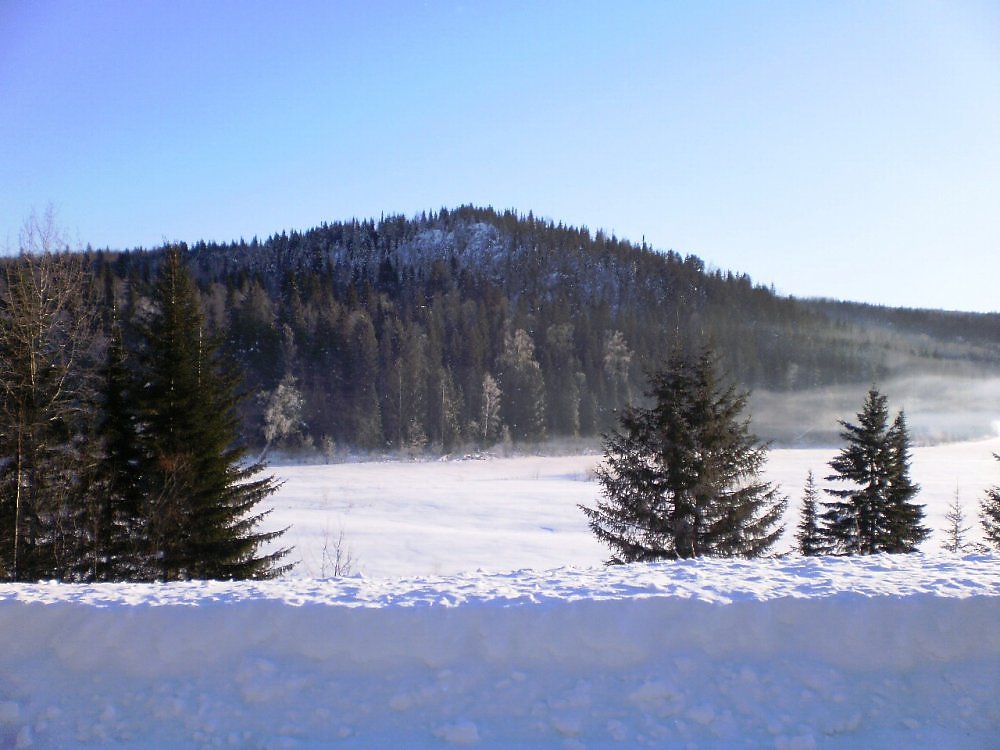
{"type": "Point", "coordinates": [681, 477]}
{"type": "Point", "coordinates": [875, 514]}
{"type": "Point", "coordinates": [48, 336]}
{"type": "Point", "coordinates": [989, 514]}
{"type": "Point", "coordinates": [117, 524]}
{"type": "Point", "coordinates": [522, 388]}
{"type": "Point", "coordinates": [905, 528]}
{"type": "Point", "coordinates": [200, 499]}
{"type": "Point", "coordinates": [390, 327]}
{"type": "Point", "coordinates": [120, 456]}
{"type": "Point", "coordinates": [808, 536]}
{"type": "Point", "coordinates": [956, 532]}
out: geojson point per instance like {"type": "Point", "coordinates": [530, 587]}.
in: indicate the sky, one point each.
{"type": "Point", "coordinates": [838, 149]}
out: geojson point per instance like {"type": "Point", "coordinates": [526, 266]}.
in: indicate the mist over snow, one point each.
{"type": "Point", "coordinates": [939, 408]}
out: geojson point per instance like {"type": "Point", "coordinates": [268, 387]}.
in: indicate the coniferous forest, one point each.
{"type": "Point", "coordinates": [471, 326]}
{"type": "Point", "coordinates": [140, 391]}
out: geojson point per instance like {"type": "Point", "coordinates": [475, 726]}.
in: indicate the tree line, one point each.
{"type": "Point", "coordinates": [132, 386]}
{"type": "Point", "coordinates": [471, 326]}
{"type": "Point", "coordinates": [120, 448]}
{"type": "Point", "coordinates": [681, 479]}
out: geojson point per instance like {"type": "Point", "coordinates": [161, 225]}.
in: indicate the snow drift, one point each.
{"type": "Point", "coordinates": [889, 651]}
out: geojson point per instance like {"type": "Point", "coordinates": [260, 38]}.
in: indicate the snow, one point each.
{"type": "Point", "coordinates": [501, 514]}
{"type": "Point", "coordinates": [543, 648]}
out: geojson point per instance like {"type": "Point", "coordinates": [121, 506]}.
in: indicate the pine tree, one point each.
{"type": "Point", "coordinates": [955, 539]}
{"type": "Point", "coordinates": [905, 531]}
{"type": "Point", "coordinates": [989, 514]}
{"type": "Point", "coordinates": [876, 514]}
{"type": "Point", "coordinates": [808, 537]}
{"type": "Point", "coordinates": [201, 499]}
{"type": "Point", "coordinates": [681, 477]}
{"type": "Point", "coordinates": [115, 519]}
{"type": "Point", "coordinates": [523, 388]}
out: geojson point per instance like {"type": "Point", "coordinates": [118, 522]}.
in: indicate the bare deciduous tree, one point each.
{"type": "Point", "coordinates": [49, 342]}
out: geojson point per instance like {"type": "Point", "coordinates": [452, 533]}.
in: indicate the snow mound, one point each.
{"type": "Point", "coordinates": [880, 652]}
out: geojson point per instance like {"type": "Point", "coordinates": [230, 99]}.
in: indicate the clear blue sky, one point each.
{"type": "Point", "coordinates": [842, 149]}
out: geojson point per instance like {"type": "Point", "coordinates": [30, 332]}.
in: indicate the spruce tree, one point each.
{"type": "Point", "coordinates": [904, 531]}
{"type": "Point", "coordinates": [681, 477]}
{"type": "Point", "coordinates": [201, 498]}
{"type": "Point", "coordinates": [876, 513]}
{"type": "Point", "coordinates": [808, 537]}
{"type": "Point", "coordinates": [989, 514]}
{"type": "Point", "coordinates": [955, 534]}
{"type": "Point", "coordinates": [522, 388]}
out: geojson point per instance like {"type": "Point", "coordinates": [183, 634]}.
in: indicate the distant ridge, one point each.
{"type": "Point", "coordinates": [390, 328]}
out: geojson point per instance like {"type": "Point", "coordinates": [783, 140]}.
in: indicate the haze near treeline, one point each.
{"type": "Point", "coordinates": [476, 326]}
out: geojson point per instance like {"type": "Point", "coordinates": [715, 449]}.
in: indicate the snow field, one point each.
{"type": "Point", "coordinates": [444, 517]}
{"type": "Point", "coordinates": [550, 650]}
{"type": "Point", "coordinates": [879, 652]}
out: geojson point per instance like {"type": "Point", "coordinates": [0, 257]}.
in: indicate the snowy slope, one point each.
{"type": "Point", "coordinates": [883, 652]}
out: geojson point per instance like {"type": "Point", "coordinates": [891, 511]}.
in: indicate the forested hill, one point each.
{"type": "Point", "coordinates": [469, 325]}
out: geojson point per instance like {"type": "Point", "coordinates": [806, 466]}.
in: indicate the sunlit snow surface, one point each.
{"type": "Point", "coordinates": [881, 652]}
{"type": "Point", "coordinates": [439, 517]}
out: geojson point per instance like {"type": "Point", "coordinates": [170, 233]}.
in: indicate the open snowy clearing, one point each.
{"type": "Point", "coordinates": [549, 650]}
{"type": "Point", "coordinates": [501, 514]}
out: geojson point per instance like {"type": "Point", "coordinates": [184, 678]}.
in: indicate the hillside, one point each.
{"type": "Point", "coordinates": [390, 328]}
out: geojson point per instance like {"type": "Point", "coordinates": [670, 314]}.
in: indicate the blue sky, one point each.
{"type": "Point", "coordinates": [841, 149]}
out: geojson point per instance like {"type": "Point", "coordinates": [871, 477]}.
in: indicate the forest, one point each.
{"type": "Point", "coordinates": [474, 326]}
{"type": "Point", "coordinates": [140, 392]}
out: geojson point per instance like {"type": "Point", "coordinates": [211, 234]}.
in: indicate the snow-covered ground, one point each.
{"type": "Point", "coordinates": [884, 652]}
{"type": "Point", "coordinates": [543, 648]}
{"type": "Point", "coordinates": [442, 517]}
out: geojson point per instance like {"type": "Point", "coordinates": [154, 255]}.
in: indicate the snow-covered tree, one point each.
{"type": "Point", "coordinates": [282, 412]}
{"type": "Point", "coordinates": [523, 387]}
{"type": "Point", "coordinates": [489, 413]}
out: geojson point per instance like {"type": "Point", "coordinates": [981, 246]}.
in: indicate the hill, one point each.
{"type": "Point", "coordinates": [468, 325]}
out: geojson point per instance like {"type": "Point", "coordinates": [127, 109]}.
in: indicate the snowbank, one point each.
{"type": "Point", "coordinates": [883, 652]}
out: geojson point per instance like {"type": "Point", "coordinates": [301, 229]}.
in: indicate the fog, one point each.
{"type": "Point", "coordinates": [938, 409]}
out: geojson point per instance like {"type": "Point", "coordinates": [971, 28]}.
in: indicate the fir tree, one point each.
{"type": "Point", "coordinates": [876, 514]}
{"type": "Point", "coordinates": [115, 521]}
{"type": "Point", "coordinates": [201, 499]}
{"type": "Point", "coordinates": [681, 477]}
{"type": "Point", "coordinates": [904, 531]}
{"type": "Point", "coordinates": [955, 534]}
{"type": "Point", "coordinates": [523, 388]}
{"type": "Point", "coordinates": [989, 514]}
{"type": "Point", "coordinates": [808, 537]}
